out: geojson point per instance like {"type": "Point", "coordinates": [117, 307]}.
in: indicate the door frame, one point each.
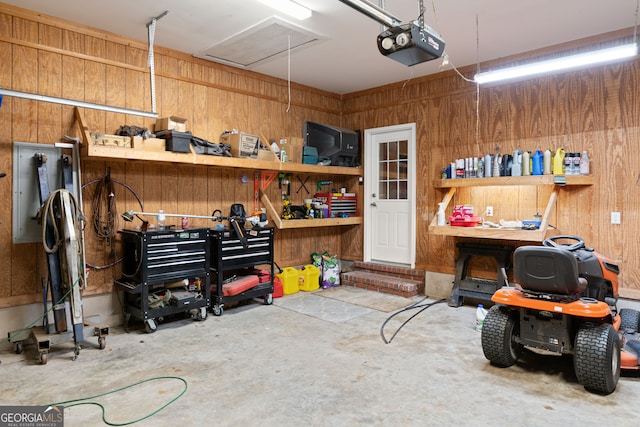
{"type": "Point", "coordinates": [369, 186]}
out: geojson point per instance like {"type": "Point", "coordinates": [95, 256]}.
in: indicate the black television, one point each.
{"type": "Point", "coordinates": [337, 145]}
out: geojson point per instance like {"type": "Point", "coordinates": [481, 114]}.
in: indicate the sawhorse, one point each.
{"type": "Point", "coordinates": [480, 289]}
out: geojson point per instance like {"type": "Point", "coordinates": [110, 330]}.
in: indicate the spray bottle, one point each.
{"type": "Point", "coordinates": [441, 219]}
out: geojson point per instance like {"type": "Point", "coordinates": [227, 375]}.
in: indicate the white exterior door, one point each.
{"type": "Point", "coordinates": [390, 202]}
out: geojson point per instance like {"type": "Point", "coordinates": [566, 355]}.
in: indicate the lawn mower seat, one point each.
{"type": "Point", "coordinates": [547, 270]}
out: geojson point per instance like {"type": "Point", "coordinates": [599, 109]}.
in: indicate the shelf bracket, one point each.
{"type": "Point", "coordinates": [446, 200]}
{"type": "Point", "coordinates": [86, 135]}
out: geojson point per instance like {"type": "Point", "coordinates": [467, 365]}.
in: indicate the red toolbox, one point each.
{"type": "Point", "coordinates": [240, 285]}
{"type": "Point", "coordinates": [340, 205]}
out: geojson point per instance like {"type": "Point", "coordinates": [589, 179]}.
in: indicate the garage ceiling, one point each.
{"type": "Point", "coordinates": [338, 51]}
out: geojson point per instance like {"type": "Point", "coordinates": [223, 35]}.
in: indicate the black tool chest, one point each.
{"type": "Point", "coordinates": [155, 261]}
{"type": "Point", "coordinates": [231, 258]}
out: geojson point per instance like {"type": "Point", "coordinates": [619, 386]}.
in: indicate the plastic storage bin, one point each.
{"type": "Point", "coordinates": [289, 278]}
{"type": "Point", "coordinates": [179, 142]}
{"type": "Point", "coordinates": [309, 278]}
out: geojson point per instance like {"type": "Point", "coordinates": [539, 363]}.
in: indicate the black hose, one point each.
{"type": "Point", "coordinates": [413, 306]}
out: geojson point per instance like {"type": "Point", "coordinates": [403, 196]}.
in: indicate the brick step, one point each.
{"type": "Point", "coordinates": [382, 283]}
{"type": "Point", "coordinates": [407, 274]}
{"type": "Point", "coordinates": [389, 270]}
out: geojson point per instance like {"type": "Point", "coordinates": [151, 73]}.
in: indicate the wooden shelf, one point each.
{"type": "Point", "coordinates": [515, 180]}
{"type": "Point", "coordinates": [326, 222]}
{"type": "Point", "coordinates": [112, 152]}
{"type": "Point", "coordinates": [501, 233]}
{"type": "Point", "coordinates": [489, 233]}
{"type": "Point", "coordinates": [304, 223]}
{"type": "Point", "coordinates": [108, 152]}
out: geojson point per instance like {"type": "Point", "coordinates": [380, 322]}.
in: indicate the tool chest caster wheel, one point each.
{"type": "Point", "coordinates": [217, 310]}
{"type": "Point", "coordinates": [268, 299]}
{"type": "Point", "coordinates": [18, 347]}
{"type": "Point", "coordinates": [150, 326]}
{"type": "Point", "coordinates": [102, 343]}
{"type": "Point", "coordinates": [43, 358]}
{"type": "Point", "coordinates": [201, 314]}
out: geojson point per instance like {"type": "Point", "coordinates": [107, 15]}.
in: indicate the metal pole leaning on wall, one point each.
{"type": "Point", "coordinates": [74, 103]}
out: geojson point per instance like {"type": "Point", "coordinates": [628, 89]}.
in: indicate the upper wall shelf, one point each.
{"type": "Point", "coordinates": [108, 152]}
{"type": "Point", "coordinates": [515, 180]}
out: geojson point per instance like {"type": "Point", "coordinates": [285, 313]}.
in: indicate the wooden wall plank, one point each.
{"type": "Point", "coordinates": [596, 109]}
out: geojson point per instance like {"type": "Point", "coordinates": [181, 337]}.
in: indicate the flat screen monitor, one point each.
{"type": "Point", "coordinates": [337, 145]}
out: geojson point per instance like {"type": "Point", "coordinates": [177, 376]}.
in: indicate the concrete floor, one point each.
{"type": "Point", "coordinates": [316, 359]}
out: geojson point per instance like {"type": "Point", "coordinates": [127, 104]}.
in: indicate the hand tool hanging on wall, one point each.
{"type": "Point", "coordinates": [302, 184]}
{"type": "Point", "coordinates": [321, 183]}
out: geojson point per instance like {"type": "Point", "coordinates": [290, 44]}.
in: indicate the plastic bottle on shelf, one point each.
{"type": "Point", "coordinates": [481, 313]}
{"type": "Point", "coordinates": [516, 165]}
{"type": "Point", "coordinates": [537, 163]}
{"type": "Point", "coordinates": [576, 163]}
{"type": "Point", "coordinates": [161, 219]}
{"type": "Point", "coordinates": [584, 163]}
{"type": "Point", "coordinates": [276, 149]}
{"type": "Point", "coordinates": [568, 164]}
{"type": "Point", "coordinates": [546, 170]}
{"type": "Point", "coordinates": [526, 163]}
{"type": "Point", "coordinates": [283, 155]}
{"type": "Point", "coordinates": [441, 216]}
{"type": "Point", "coordinates": [488, 166]}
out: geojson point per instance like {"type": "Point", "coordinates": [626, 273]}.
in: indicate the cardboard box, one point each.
{"type": "Point", "coordinates": [242, 144]}
{"type": "Point", "coordinates": [171, 123]}
{"type": "Point", "coordinates": [294, 151]}
{"type": "Point", "coordinates": [149, 144]}
{"type": "Point", "coordinates": [267, 155]}
{"type": "Point", "coordinates": [111, 140]}
{"type": "Point", "coordinates": [293, 147]}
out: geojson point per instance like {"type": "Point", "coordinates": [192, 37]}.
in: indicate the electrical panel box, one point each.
{"type": "Point", "coordinates": [26, 200]}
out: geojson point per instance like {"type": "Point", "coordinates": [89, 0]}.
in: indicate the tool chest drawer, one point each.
{"type": "Point", "coordinates": [161, 256]}
{"type": "Point", "coordinates": [228, 250]}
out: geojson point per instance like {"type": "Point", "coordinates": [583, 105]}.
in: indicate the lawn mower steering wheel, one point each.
{"type": "Point", "coordinates": [551, 242]}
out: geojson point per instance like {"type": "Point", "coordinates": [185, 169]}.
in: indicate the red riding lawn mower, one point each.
{"type": "Point", "coordinates": [564, 302]}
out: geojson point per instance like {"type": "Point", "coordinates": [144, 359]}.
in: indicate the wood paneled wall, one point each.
{"type": "Point", "coordinates": [597, 110]}
{"type": "Point", "coordinates": [47, 56]}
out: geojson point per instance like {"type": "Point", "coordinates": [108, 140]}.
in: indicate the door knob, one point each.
{"type": "Point", "coordinates": [373, 204]}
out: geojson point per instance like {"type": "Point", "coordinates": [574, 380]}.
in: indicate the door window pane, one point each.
{"type": "Point", "coordinates": [382, 190]}
{"type": "Point", "coordinates": [393, 170]}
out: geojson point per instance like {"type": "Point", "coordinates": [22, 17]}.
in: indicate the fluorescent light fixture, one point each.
{"type": "Point", "coordinates": [559, 64]}
{"type": "Point", "coordinates": [289, 7]}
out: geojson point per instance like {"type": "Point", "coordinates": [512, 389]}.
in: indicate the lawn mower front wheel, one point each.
{"type": "Point", "coordinates": [499, 333]}
{"type": "Point", "coordinates": [597, 358]}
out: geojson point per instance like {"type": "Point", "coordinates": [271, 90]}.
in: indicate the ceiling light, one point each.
{"type": "Point", "coordinates": [289, 7]}
{"type": "Point", "coordinates": [559, 64]}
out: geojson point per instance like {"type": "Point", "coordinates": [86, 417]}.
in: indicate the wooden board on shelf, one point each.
{"type": "Point", "coordinates": [515, 180]}
{"type": "Point", "coordinates": [489, 233]}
